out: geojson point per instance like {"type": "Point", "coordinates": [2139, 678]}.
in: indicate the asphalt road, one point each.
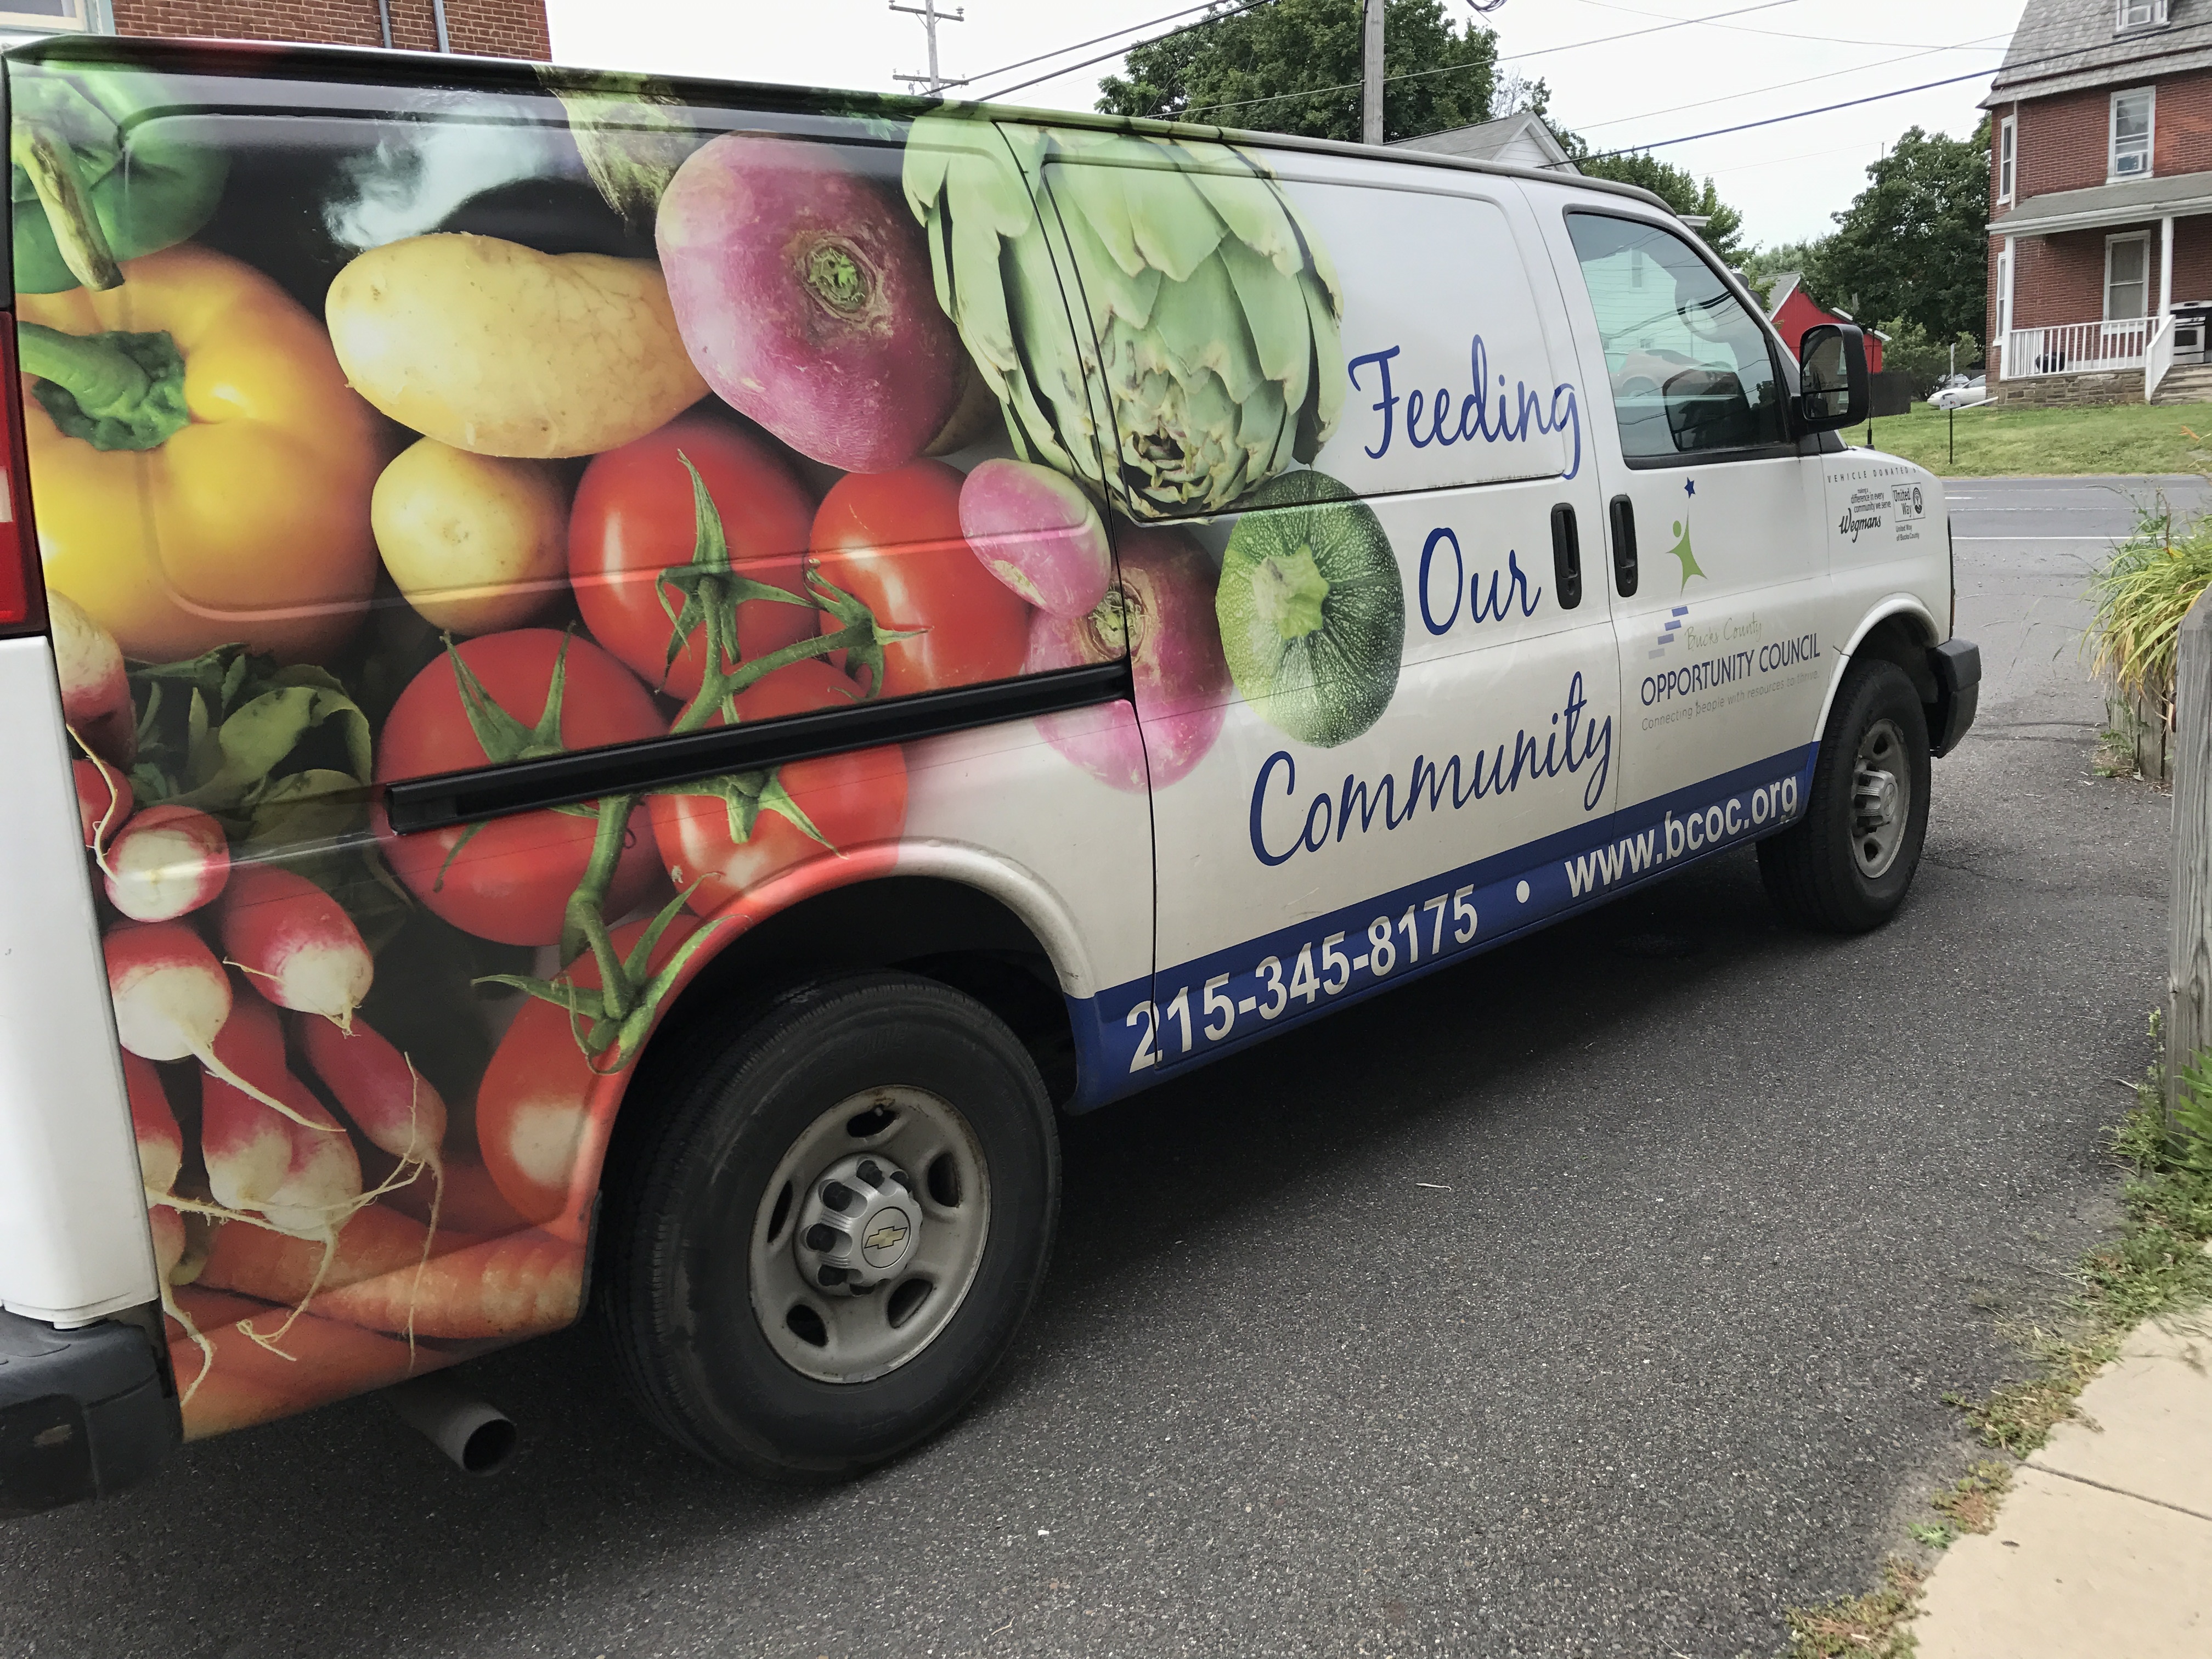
{"type": "Point", "coordinates": [1718, 1213]}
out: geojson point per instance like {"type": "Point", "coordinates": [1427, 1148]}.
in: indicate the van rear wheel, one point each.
{"type": "Point", "coordinates": [813, 1258]}
{"type": "Point", "coordinates": [1844, 866]}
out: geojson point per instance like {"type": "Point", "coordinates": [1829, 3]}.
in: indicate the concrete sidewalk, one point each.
{"type": "Point", "coordinates": [2103, 1548]}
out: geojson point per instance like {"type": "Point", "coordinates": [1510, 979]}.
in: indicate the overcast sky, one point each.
{"type": "Point", "coordinates": [1763, 60]}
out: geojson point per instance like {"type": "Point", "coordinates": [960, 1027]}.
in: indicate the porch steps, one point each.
{"type": "Point", "coordinates": [2185, 383]}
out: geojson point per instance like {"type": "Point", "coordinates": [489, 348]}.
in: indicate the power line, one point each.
{"type": "Point", "coordinates": [1068, 69]}
{"type": "Point", "coordinates": [1455, 68]}
{"type": "Point", "coordinates": [1783, 85]}
{"type": "Point", "coordinates": [1008, 69]}
{"type": "Point", "coordinates": [1776, 34]}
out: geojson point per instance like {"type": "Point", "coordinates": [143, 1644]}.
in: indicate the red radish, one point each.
{"type": "Point", "coordinates": [298, 947]}
{"type": "Point", "coordinates": [377, 1087]}
{"type": "Point", "coordinates": [103, 802]}
{"type": "Point", "coordinates": [1038, 532]}
{"type": "Point", "coordinates": [95, 695]}
{"type": "Point", "coordinates": [168, 862]}
{"type": "Point", "coordinates": [171, 998]}
{"type": "Point", "coordinates": [297, 1168]}
{"type": "Point", "coordinates": [161, 1145]}
{"type": "Point", "coordinates": [803, 294]}
{"type": "Point", "coordinates": [1161, 613]}
{"type": "Point", "coordinates": [168, 1230]}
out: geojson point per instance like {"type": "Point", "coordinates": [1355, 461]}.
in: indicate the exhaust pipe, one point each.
{"type": "Point", "coordinates": [478, 1438]}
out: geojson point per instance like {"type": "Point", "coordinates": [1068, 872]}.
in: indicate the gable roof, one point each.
{"type": "Point", "coordinates": [2070, 46]}
{"type": "Point", "coordinates": [1522, 137]}
{"type": "Point", "coordinates": [1785, 284]}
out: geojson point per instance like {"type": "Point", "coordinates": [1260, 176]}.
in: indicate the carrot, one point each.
{"type": "Point", "coordinates": [520, 1285]}
{"type": "Point", "coordinates": [169, 860]}
{"type": "Point", "coordinates": [172, 1000]}
{"type": "Point", "coordinates": [103, 802]}
{"type": "Point", "coordinates": [296, 944]}
{"type": "Point", "coordinates": [237, 1381]}
{"type": "Point", "coordinates": [471, 1203]}
{"type": "Point", "coordinates": [276, 1268]}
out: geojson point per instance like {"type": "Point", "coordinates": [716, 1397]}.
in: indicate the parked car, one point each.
{"type": "Point", "coordinates": [1962, 391]}
{"type": "Point", "coordinates": [641, 728]}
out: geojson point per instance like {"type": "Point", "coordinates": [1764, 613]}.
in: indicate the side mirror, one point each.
{"type": "Point", "coordinates": [1833, 387]}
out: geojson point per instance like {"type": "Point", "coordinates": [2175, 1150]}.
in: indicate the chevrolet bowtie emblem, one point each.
{"type": "Point", "coordinates": [885, 1237]}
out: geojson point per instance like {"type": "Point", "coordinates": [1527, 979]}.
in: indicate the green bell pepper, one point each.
{"type": "Point", "coordinates": [78, 208]}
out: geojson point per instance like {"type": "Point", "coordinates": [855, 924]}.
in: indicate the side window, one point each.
{"type": "Point", "coordinates": [1689, 366]}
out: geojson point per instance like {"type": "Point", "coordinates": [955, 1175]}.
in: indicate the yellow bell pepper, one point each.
{"type": "Point", "coordinates": [200, 470]}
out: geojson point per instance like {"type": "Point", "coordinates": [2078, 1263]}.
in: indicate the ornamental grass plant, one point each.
{"type": "Point", "coordinates": [2142, 593]}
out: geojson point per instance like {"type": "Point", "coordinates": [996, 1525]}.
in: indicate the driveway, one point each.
{"type": "Point", "coordinates": [1597, 1296]}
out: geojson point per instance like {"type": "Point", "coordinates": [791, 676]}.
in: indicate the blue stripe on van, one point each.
{"type": "Point", "coordinates": [1124, 1044]}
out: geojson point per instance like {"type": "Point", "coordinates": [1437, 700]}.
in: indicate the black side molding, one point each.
{"type": "Point", "coordinates": [1957, 665]}
{"type": "Point", "coordinates": [491, 792]}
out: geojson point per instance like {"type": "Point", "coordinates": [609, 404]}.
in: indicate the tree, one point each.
{"type": "Point", "coordinates": [1671, 184]}
{"type": "Point", "coordinates": [1234, 72]}
{"type": "Point", "coordinates": [1914, 244]}
{"type": "Point", "coordinates": [1762, 265]}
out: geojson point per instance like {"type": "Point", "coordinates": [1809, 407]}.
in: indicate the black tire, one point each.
{"type": "Point", "coordinates": [685, 1194]}
{"type": "Point", "coordinates": [1811, 871]}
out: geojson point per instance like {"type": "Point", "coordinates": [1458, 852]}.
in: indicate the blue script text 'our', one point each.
{"type": "Point", "coordinates": [1494, 416]}
{"type": "Point", "coordinates": [1479, 608]}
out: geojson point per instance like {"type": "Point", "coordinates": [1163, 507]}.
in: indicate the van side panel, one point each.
{"type": "Point", "coordinates": [73, 1238]}
{"type": "Point", "coordinates": [466, 435]}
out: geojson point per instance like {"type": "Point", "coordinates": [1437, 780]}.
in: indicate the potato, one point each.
{"type": "Point", "coordinates": [499, 349]}
{"type": "Point", "coordinates": [476, 544]}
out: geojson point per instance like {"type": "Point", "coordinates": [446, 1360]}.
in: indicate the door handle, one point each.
{"type": "Point", "coordinates": [1567, 556]}
{"type": "Point", "coordinates": [1623, 513]}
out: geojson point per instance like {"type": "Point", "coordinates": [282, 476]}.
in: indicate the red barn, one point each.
{"type": "Point", "coordinates": [1792, 312]}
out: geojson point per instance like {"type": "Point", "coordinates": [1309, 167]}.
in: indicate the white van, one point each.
{"type": "Point", "coordinates": [619, 692]}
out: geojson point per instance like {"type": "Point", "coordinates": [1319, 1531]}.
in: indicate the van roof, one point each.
{"type": "Point", "coordinates": [287, 61]}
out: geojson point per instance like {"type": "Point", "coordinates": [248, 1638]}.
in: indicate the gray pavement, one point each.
{"type": "Point", "coordinates": [1718, 1214]}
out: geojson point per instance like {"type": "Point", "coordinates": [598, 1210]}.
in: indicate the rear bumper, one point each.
{"type": "Point", "coordinates": [83, 1414]}
{"type": "Point", "coordinates": [1957, 665]}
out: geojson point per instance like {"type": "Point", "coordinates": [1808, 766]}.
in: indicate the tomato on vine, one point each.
{"type": "Point", "coordinates": [499, 698]}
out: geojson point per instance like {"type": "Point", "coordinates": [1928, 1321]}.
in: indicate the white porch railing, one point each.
{"type": "Point", "coordinates": [2074, 349]}
{"type": "Point", "coordinates": [2158, 356]}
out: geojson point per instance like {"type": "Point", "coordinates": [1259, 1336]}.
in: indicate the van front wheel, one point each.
{"type": "Point", "coordinates": [830, 1232]}
{"type": "Point", "coordinates": [1844, 866]}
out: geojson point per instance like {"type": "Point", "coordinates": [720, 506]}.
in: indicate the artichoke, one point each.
{"type": "Point", "coordinates": [1213, 359]}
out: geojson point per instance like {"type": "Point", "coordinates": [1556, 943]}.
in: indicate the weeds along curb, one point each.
{"type": "Point", "coordinates": [2157, 1267]}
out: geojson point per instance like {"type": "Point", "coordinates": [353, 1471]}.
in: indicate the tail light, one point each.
{"type": "Point", "coordinates": [22, 595]}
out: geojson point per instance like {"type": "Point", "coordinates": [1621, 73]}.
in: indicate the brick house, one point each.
{"type": "Point", "coordinates": [2101, 194]}
{"type": "Point", "coordinates": [491, 28]}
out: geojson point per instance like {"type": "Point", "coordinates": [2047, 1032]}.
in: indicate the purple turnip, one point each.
{"type": "Point", "coordinates": [802, 292]}
{"type": "Point", "coordinates": [1162, 608]}
{"type": "Point", "coordinates": [1038, 532]}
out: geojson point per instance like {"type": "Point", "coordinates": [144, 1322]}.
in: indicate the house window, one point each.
{"type": "Point", "coordinates": [55, 16]}
{"type": "Point", "coordinates": [2005, 288]}
{"type": "Point", "coordinates": [2007, 137]}
{"type": "Point", "coordinates": [2131, 125]}
{"type": "Point", "coordinates": [2141, 14]}
{"type": "Point", "coordinates": [2127, 278]}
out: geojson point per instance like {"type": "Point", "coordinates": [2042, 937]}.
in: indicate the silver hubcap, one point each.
{"type": "Point", "coordinates": [1881, 798]}
{"type": "Point", "coordinates": [869, 1234]}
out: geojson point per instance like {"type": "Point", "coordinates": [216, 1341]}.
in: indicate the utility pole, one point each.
{"type": "Point", "coordinates": [931, 17]}
{"type": "Point", "coordinates": [1370, 75]}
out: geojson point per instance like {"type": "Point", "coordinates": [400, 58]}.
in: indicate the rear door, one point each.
{"type": "Point", "coordinates": [1415, 721]}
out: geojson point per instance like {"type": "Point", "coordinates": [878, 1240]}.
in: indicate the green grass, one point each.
{"type": "Point", "coordinates": [2001, 440]}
